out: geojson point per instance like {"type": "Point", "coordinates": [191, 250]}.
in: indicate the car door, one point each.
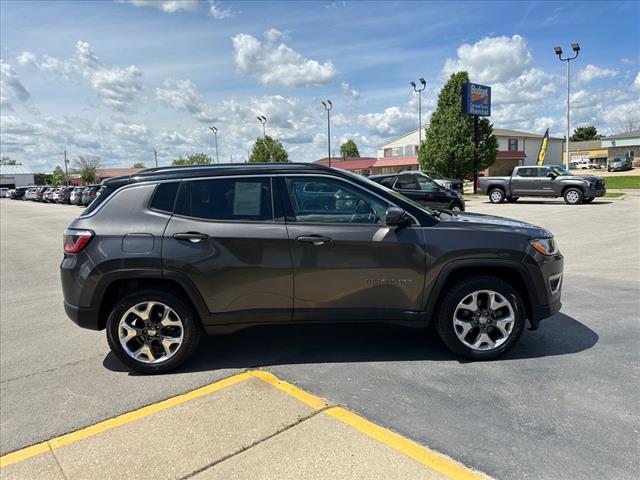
{"type": "Point", "coordinates": [523, 182]}
{"type": "Point", "coordinates": [544, 183]}
{"type": "Point", "coordinates": [348, 265]}
{"type": "Point", "coordinates": [225, 239]}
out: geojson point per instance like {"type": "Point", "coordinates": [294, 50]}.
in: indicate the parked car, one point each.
{"type": "Point", "coordinates": [583, 164]}
{"type": "Point", "coordinates": [620, 164]}
{"type": "Point", "coordinates": [545, 181]}
{"type": "Point", "coordinates": [18, 193]}
{"type": "Point", "coordinates": [40, 194]}
{"type": "Point", "coordinates": [76, 196]}
{"type": "Point", "coordinates": [89, 194]}
{"type": "Point", "coordinates": [55, 196]}
{"type": "Point", "coordinates": [4, 192]}
{"type": "Point", "coordinates": [454, 184]}
{"type": "Point", "coordinates": [164, 255]}
{"type": "Point", "coordinates": [422, 189]}
{"type": "Point", "coordinates": [48, 195]}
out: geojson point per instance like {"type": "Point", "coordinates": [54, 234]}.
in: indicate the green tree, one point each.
{"type": "Point", "coordinates": [42, 178]}
{"type": "Point", "coordinates": [58, 177]}
{"type": "Point", "coordinates": [349, 149]}
{"type": "Point", "coordinates": [86, 167]}
{"type": "Point", "coordinates": [195, 159]}
{"type": "Point", "coordinates": [268, 150]}
{"type": "Point", "coordinates": [138, 165]}
{"type": "Point", "coordinates": [9, 161]}
{"type": "Point", "coordinates": [582, 134]}
{"type": "Point", "coordinates": [449, 146]}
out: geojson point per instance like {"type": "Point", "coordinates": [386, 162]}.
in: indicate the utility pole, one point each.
{"type": "Point", "coordinates": [155, 154]}
{"type": "Point", "coordinates": [328, 106]}
{"type": "Point", "coordinates": [66, 172]}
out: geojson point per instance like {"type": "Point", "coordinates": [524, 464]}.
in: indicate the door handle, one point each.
{"type": "Point", "coordinates": [193, 237]}
{"type": "Point", "coordinates": [314, 239]}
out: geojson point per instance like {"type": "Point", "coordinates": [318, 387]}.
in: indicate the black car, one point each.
{"type": "Point", "coordinates": [167, 254]}
{"type": "Point", "coordinates": [422, 189]}
{"type": "Point", "coordinates": [620, 164]}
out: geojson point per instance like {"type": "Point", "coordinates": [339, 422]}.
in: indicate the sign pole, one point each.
{"type": "Point", "coordinates": [475, 153]}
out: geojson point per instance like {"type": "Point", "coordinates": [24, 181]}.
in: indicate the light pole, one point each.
{"type": "Point", "coordinates": [66, 172]}
{"type": "Point", "coordinates": [419, 90]}
{"type": "Point", "coordinates": [215, 134]}
{"type": "Point", "coordinates": [263, 120]}
{"type": "Point", "coordinates": [328, 106]}
{"type": "Point", "coordinates": [576, 48]}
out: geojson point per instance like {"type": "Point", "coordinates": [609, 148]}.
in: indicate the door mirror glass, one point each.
{"type": "Point", "coordinates": [396, 217]}
{"type": "Point", "coordinates": [551, 175]}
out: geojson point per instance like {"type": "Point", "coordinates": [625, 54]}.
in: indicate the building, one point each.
{"type": "Point", "coordinates": [12, 176]}
{"type": "Point", "coordinates": [369, 165]}
{"type": "Point", "coordinates": [623, 145]}
{"type": "Point", "coordinates": [514, 148]}
{"type": "Point", "coordinates": [104, 173]}
{"type": "Point", "coordinates": [591, 150]}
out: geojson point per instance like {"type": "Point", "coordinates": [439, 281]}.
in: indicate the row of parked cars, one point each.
{"type": "Point", "coordinates": [83, 195]}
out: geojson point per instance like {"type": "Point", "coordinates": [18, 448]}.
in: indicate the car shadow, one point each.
{"type": "Point", "coordinates": [295, 344]}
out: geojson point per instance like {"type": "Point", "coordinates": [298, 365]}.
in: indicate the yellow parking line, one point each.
{"type": "Point", "coordinates": [123, 419]}
{"type": "Point", "coordinates": [305, 397]}
{"type": "Point", "coordinates": [434, 460]}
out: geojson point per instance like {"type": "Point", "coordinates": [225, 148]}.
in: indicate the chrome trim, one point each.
{"type": "Point", "coordinates": [553, 278]}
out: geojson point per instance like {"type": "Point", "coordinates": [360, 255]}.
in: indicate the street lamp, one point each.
{"type": "Point", "coordinates": [558, 51]}
{"type": "Point", "coordinates": [263, 120]}
{"type": "Point", "coordinates": [215, 134]}
{"type": "Point", "coordinates": [328, 106]}
{"type": "Point", "coordinates": [66, 171]}
{"type": "Point", "coordinates": [419, 90]}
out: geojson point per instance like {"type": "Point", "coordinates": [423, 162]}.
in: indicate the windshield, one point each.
{"type": "Point", "coordinates": [560, 170]}
{"type": "Point", "coordinates": [395, 194]}
{"type": "Point", "coordinates": [435, 175]}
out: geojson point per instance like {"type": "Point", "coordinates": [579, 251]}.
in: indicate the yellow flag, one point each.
{"type": "Point", "coordinates": [543, 147]}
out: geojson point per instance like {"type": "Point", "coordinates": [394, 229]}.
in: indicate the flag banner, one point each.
{"type": "Point", "coordinates": [543, 147]}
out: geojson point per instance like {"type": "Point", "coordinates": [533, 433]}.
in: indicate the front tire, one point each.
{"type": "Point", "coordinates": [153, 331]}
{"type": "Point", "coordinates": [573, 196]}
{"type": "Point", "coordinates": [496, 195]}
{"type": "Point", "coordinates": [481, 318]}
{"type": "Point", "coordinates": [456, 207]}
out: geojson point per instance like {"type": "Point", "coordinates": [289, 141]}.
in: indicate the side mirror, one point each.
{"type": "Point", "coordinates": [551, 175]}
{"type": "Point", "coordinates": [396, 217]}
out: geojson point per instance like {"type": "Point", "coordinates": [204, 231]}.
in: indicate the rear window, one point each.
{"type": "Point", "coordinates": [235, 199]}
{"type": "Point", "coordinates": [103, 193]}
{"type": "Point", "coordinates": [165, 197]}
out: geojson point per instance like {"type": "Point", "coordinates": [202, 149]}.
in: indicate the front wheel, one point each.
{"type": "Point", "coordinates": [152, 331]}
{"type": "Point", "coordinates": [496, 195]}
{"type": "Point", "coordinates": [456, 207]}
{"type": "Point", "coordinates": [573, 196]}
{"type": "Point", "coordinates": [481, 318]}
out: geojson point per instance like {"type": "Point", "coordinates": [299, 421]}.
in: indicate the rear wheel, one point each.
{"type": "Point", "coordinates": [152, 331]}
{"type": "Point", "coordinates": [481, 318]}
{"type": "Point", "coordinates": [496, 195]}
{"type": "Point", "coordinates": [573, 196]}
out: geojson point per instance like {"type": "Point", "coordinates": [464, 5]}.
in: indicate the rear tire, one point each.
{"type": "Point", "coordinates": [496, 195]}
{"type": "Point", "coordinates": [573, 196]}
{"type": "Point", "coordinates": [168, 319]}
{"type": "Point", "coordinates": [460, 328]}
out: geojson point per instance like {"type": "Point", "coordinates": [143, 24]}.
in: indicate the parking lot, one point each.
{"type": "Point", "coordinates": [562, 405]}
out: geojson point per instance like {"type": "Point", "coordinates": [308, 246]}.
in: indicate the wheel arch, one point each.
{"type": "Point", "coordinates": [567, 187]}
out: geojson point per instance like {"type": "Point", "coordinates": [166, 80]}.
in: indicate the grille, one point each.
{"type": "Point", "coordinates": [600, 184]}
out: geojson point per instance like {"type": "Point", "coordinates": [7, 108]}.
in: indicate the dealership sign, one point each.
{"type": "Point", "coordinates": [476, 100]}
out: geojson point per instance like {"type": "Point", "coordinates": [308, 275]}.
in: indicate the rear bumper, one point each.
{"type": "Point", "coordinates": [83, 317]}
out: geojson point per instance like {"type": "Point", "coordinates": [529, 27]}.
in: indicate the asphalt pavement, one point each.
{"type": "Point", "coordinates": [562, 405]}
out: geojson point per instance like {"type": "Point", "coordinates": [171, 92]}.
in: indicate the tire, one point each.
{"type": "Point", "coordinates": [189, 331]}
{"type": "Point", "coordinates": [588, 199]}
{"type": "Point", "coordinates": [573, 196]}
{"type": "Point", "coordinates": [450, 310]}
{"type": "Point", "coordinates": [512, 199]}
{"type": "Point", "coordinates": [496, 195]}
{"type": "Point", "coordinates": [456, 207]}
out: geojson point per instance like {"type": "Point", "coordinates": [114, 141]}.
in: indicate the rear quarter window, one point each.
{"type": "Point", "coordinates": [164, 197]}
{"type": "Point", "coordinates": [104, 192]}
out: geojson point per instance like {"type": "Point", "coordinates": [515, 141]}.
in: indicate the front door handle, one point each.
{"type": "Point", "coordinates": [314, 239]}
{"type": "Point", "coordinates": [193, 237]}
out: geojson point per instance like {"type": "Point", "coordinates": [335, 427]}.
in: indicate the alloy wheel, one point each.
{"type": "Point", "coordinates": [573, 196]}
{"type": "Point", "coordinates": [150, 332]}
{"type": "Point", "coordinates": [484, 320]}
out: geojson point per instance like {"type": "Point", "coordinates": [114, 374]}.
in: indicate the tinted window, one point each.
{"type": "Point", "coordinates": [527, 172]}
{"type": "Point", "coordinates": [427, 185]}
{"type": "Point", "coordinates": [165, 196]}
{"type": "Point", "coordinates": [349, 204]}
{"type": "Point", "coordinates": [407, 182]}
{"type": "Point", "coordinates": [387, 181]}
{"type": "Point", "coordinates": [104, 193]}
{"type": "Point", "coordinates": [246, 198]}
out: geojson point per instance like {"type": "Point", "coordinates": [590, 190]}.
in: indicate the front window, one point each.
{"type": "Point", "coordinates": [560, 170]}
{"type": "Point", "coordinates": [427, 185]}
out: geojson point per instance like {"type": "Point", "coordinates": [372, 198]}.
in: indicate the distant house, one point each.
{"type": "Point", "coordinates": [12, 176]}
{"type": "Point", "coordinates": [104, 173]}
{"type": "Point", "coordinates": [623, 145]}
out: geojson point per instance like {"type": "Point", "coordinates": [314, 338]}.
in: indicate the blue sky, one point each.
{"type": "Point", "coordinates": [120, 79]}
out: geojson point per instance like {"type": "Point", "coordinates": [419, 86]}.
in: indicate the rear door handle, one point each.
{"type": "Point", "coordinates": [314, 239]}
{"type": "Point", "coordinates": [194, 237]}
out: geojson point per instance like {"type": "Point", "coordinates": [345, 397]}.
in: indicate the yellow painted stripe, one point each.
{"type": "Point", "coordinates": [305, 397]}
{"type": "Point", "coordinates": [73, 437]}
{"type": "Point", "coordinates": [434, 460]}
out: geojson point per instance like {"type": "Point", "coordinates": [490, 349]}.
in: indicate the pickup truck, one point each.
{"type": "Point", "coordinates": [542, 181]}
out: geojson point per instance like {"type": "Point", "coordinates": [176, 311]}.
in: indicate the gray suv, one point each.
{"type": "Point", "coordinates": [162, 256]}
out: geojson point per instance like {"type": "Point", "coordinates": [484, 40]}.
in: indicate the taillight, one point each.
{"type": "Point", "coordinates": [76, 240]}
{"type": "Point", "coordinates": [478, 183]}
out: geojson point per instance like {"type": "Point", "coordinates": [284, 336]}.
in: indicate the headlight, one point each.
{"type": "Point", "coordinates": [545, 246]}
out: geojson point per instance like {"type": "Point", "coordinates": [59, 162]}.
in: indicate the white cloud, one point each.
{"type": "Point", "coordinates": [628, 61]}
{"type": "Point", "coordinates": [26, 58]}
{"type": "Point", "coordinates": [273, 62]}
{"type": "Point", "coordinates": [217, 12]}
{"type": "Point", "coordinates": [11, 88]}
{"type": "Point", "coordinates": [182, 95]}
{"type": "Point", "coordinates": [491, 60]}
{"type": "Point", "coordinates": [591, 72]}
{"type": "Point", "coordinates": [168, 6]}
{"type": "Point", "coordinates": [636, 82]}
{"type": "Point", "coordinates": [348, 92]}
{"type": "Point", "coordinates": [392, 121]}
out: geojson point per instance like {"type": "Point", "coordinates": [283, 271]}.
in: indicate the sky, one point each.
{"type": "Point", "coordinates": [120, 79]}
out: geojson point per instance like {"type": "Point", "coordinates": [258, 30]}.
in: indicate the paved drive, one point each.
{"type": "Point", "coordinates": [563, 404]}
